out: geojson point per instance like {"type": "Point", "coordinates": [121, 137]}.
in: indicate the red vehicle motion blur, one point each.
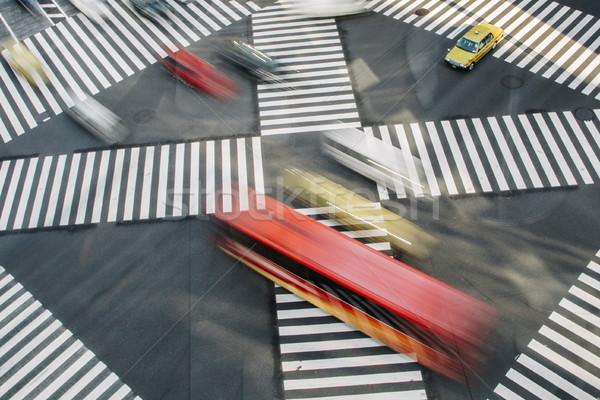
{"type": "Point", "coordinates": [199, 74]}
{"type": "Point", "coordinates": [440, 327]}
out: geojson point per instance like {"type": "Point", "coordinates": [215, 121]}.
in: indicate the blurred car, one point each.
{"type": "Point", "coordinates": [199, 74]}
{"type": "Point", "coordinates": [357, 212]}
{"type": "Point", "coordinates": [32, 6]}
{"type": "Point", "coordinates": [475, 44]}
{"type": "Point", "coordinates": [93, 9]}
{"type": "Point", "coordinates": [326, 8]}
{"type": "Point", "coordinates": [23, 61]}
{"type": "Point", "coordinates": [99, 120]}
{"type": "Point", "coordinates": [154, 10]}
{"type": "Point", "coordinates": [250, 59]}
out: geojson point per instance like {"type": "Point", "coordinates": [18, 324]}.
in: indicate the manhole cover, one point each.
{"type": "Point", "coordinates": [144, 116]}
{"type": "Point", "coordinates": [421, 12]}
{"type": "Point", "coordinates": [584, 114]}
{"type": "Point", "coordinates": [511, 82]}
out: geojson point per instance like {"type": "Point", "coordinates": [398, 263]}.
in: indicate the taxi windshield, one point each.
{"type": "Point", "coordinates": [467, 45]}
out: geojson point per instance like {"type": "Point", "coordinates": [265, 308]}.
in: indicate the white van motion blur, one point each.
{"type": "Point", "coordinates": [325, 8]}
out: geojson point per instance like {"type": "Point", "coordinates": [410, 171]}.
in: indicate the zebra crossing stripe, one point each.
{"type": "Point", "coordinates": [539, 152]}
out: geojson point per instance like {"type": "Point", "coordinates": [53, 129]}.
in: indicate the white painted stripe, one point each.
{"type": "Point", "coordinates": [514, 9]}
{"type": "Point", "coordinates": [147, 183]}
{"type": "Point", "coordinates": [56, 184]}
{"type": "Point", "coordinates": [310, 312]}
{"type": "Point", "coordinates": [63, 71]}
{"type": "Point", "coordinates": [555, 149]}
{"type": "Point", "coordinates": [52, 79]}
{"type": "Point", "coordinates": [352, 380]}
{"type": "Point", "coordinates": [12, 118]}
{"type": "Point", "coordinates": [175, 21]}
{"type": "Point", "coordinates": [14, 305]}
{"type": "Point", "coordinates": [591, 282]}
{"type": "Point", "coordinates": [102, 387]}
{"type": "Point", "coordinates": [161, 38]}
{"type": "Point", "coordinates": [530, 385]}
{"type": "Point", "coordinates": [365, 233]}
{"type": "Point", "coordinates": [188, 17]}
{"type": "Point", "coordinates": [290, 33]}
{"type": "Point", "coordinates": [115, 191]}
{"type": "Point", "coordinates": [311, 50]}
{"type": "Point", "coordinates": [4, 172]}
{"type": "Point", "coordinates": [178, 180]}
{"type": "Point", "coordinates": [302, 92]}
{"type": "Point", "coordinates": [303, 67]}
{"type": "Point", "coordinates": [100, 186]}
{"type": "Point", "coordinates": [284, 298]}
{"type": "Point", "coordinates": [72, 63]}
{"type": "Point", "coordinates": [392, 9]}
{"type": "Point", "coordinates": [346, 362]}
{"type": "Point", "coordinates": [33, 363]}
{"type": "Point", "coordinates": [554, 378]}
{"type": "Point", "coordinates": [83, 55]}
{"type": "Point", "coordinates": [413, 15]}
{"type": "Point", "coordinates": [20, 103]}
{"type": "Point", "coordinates": [409, 161]}
{"type": "Point", "coordinates": [310, 128]}
{"type": "Point", "coordinates": [33, 382]}
{"type": "Point", "coordinates": [585, 144]}
{"type": "Point", "coordinates": [458, 159]}
{"type": "Point", "coordinates": [29, 347]}
{"type": "Point", "coordinates": [517, 34]}
{"type": "Point", "coordinates": [163, 176]}
{"type": "Point", "coordinates": [194, 199]}
{"type": "Point", "coordinates": [22, 333]}
{"type": "Point", "coordinates": [227, 10]}
{"type": "Point", "coordinates": [85, 188]}
{"type": "Point", "coordinates": [131, 56]}
{"type": "Point", "coordinates": [134, 154]}
{"type": "Point", "coordinates": [210, 178]}
{"type": "Point", "coordinates": [539, 151]}
{"type": "Point", "coordinates": [299, 38]}
{"type": "Point", "coordinates": [242, 174]}
{"type": "Point", "coordinates": [472, 15]}
{"type": "Point", "coordinates": [214, 12]}
{"type": "Point", "coordinates": [433, 14]}
{"type": "Point", "coordinates": [25, 193]}
{"type": "Point", "coordinates": [580, 312]}
{"type": "Point", "coordinates": [455, 21]}
{"type": "Point", "coordinates": [491, 156]}
{"type": "Point", "coordinates": [298, 84]}
{"type": "Point", "coordinates": [204, 17]}
{"type": "Point", "coordinates": [570, 148]}
{"type": "Point", "coordinates": [585, 296]}
{"type": "Point", "coordinates": [70, 190]}
{"type": "Point", "coordinates": [7, 295]}
{"type": "Point", "coordinates": [594, 266]}
{"type": "Point", "coordinates": [425, 161]}
{"type": "Point", "coordinates": [306, 100]}
{"type": "Point", "coordinates": [506, 154]}
{"type": "Point", "coordinates": [140, 31]}
{"type": "Point", "coordinates": [566, 364]}
{"type": "Point", "coordinates": [39, 194]}
{"type": "Point", "coordinates": [83, 382]}
{"type": "Point", "coordinates": [128, 35]}
{"type": "Point", "coordinates": [301, 110]}
{"type": "Point", "coordinates": [315, 329]}
{"type": "Point", "coordinates": [120, 394]}
{"type": "Point", "coordinates": [441, 157]}
{"type": "Point", "coordinates": [226, 192]}
{"type": "Point", "coordinates": [108, 49]}
{"type": "Point", "coordinates": [309, 118]}
{"type": "Point", "coordinates": [31, 95]}
{"type": "Point", "coordinates": [14, 322]}
{"type": "Point", "coordinates": [507, 393]}
{"type": "Point", "coordinates": [540, 48]}
{"type": "Point", "coordinates": [240, 8]}
{"type": "Point", "coordinates": [329, 345]}
{"type": "Point", "coordinates": [442, 18]}
{"type": "Point", "coordinates": [473, 155]}
{"type": "Point", "coordinates": [571, 46]}
{"type": "Point", "coordinates": [522, 151]}
{"type": "Point", "coordinates": [312, 44]}
{"type": "Point", "coordinates": [572, 327]}
{"type": "Point", "coordinates": [273, 24]}
{"type": "Point", "coordinates": [65, 376]}
{"type": "Point", "coordinates": [587, 53]}
{"type": "Point", "coordinates": [399, 164]}
{"type": "Point", "coordinates": [541, 30]}
{"type": "Point", "coordinates": [259, 183]}
{"type": "Point", "coordinates": [94, 49]}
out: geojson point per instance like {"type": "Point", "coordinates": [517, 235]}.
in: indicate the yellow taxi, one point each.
{"type": "Point", "coordinates": [22, 60]}
{"type": "Point", "coordinates": [475, 44]}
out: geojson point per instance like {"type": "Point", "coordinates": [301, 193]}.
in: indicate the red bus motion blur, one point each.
{"type": "Point", "coordinates": [440, 327]}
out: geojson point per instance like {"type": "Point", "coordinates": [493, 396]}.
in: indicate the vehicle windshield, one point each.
{"type": "Point", "coordinates": [467, 45]}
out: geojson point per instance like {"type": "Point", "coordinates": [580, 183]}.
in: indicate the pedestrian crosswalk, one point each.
{"type": "Point", "coordinates": [500, 154]}
{"type": "Point", "coordinates": [127, 184]}
{"type": "Point", "coordinates": [561, 361]}
{"type": "Point", "coordinates": [542, 36]}
{"type": "Point", "coordinates": [85, 57]}
{"type": "Point", "coordinates": [317, 93]}
{"type": "Point", "coordinates": [324, 358]}
{"type": "Point", "coordinates": [40, 358]}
